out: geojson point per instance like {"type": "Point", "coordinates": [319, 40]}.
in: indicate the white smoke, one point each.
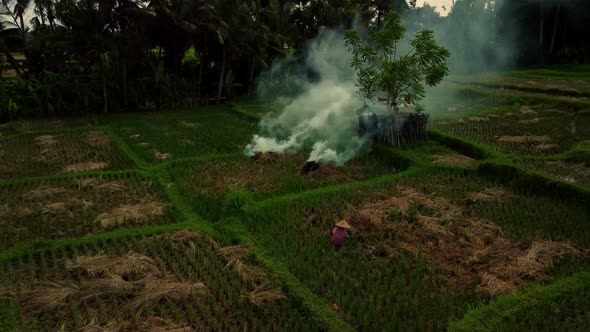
{"type": "Point", "coordinates": [321, 117]}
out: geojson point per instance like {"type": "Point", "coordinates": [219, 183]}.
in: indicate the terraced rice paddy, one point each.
{"type": "Point", "coordinates": [156, 221]}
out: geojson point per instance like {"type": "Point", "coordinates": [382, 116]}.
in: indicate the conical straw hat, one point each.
{"type": "Point", "coordinates": [343, 224]}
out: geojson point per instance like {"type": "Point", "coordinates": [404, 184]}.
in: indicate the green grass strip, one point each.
{"type": "Point", "coordinates": [573, 103]}
{"type": "Point", "coordinates": [463, 146]}
{"type": "Point", "coordinates": [240, 111]}
{"type": "Point", "coordinates": [314, 307]}
{"type": "Point", "coordinates": [41, 245]}
{"type": "Point", "coordinates": [124, 148]}
{"type": "Point", "coordinates": [66, 176]}
{"type": "Point", "coordinates": [539, 307]}
{"type": "Point", "coordinates": [319, 192]}
{"type": "Point", "coordinates": [9, 314]}
{"type": "Point", "coordinates": [208, 157]}
{"type": "Point", "coordinates": [186, 213]}
{"type": "Point", "coordinates": [533, 181]}
{"type": "Point", "coordinates": [55, 131]}
{"type": "Point", "coordinates": [538, 90]}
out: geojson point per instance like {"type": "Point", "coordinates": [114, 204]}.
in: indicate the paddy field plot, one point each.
{"type": "Point", "coordinates": [163, 136]}
{"type": "Point", "coordinates": [79, 206]}
{"type": "Point", "coordinates": [429, 244]}
{"type": "Point", "coordinates": [181, 281]}
{"type": "Point", "coordinates": [158, 221]}
{"type": "Point", "coordinates": [42, 154]}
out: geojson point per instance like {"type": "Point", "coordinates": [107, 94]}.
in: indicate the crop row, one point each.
{"type": "Point", "coordinates": [411, 243]}
{"type": "Point", "coordinates": [68, 152]}
{"type": "Point", "coordinates": [208, 183]}
{"type": "Point", "coordinates": [571, 172]}
{"type": "Point", "coordinates": [179, 280]}
{"type": "Point", "coordinates": [531, 132]}
{"type": "Point", "coordinates": [159, 137]}
{"type": "Point", "coordinates": [78, 206]}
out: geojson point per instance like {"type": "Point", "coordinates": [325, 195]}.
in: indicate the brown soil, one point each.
{"type": "Point", "coordinates": [491, 194]}
{"type": "Point", "coordinates": [547, 147]}
{"type": "Point", "coordinates": [97, 138]}
{"type": "Point", "coordinates": [260, 296]}
{"type": "Point", "coordinates": [527, 111]}
{"type": "Point", "coordinates": [136, 212]}
{"type": "Point", "coordinates": [264, 177]}
{"type": "Point", "coordinates": [524, 139]}
{"type": "Point", "coordinates": [189, 124]}
{"type": "Point", "coordinates": [530, 121]}
{"type": "Point", "coordinates": [461, 245]}
{"type": "Point", "coordinates": [327, 171]}
{"type": "Point", "coordinates": [134, 276]}
{"type": "Point", "coordinates": [46, 296]}
{"type": "Point", "coordinates": [478, 118]}
{"type": "Point", "coordinates": [46, 141]}
{"type": "Point", "coordinates": [453, 159]}
{"type": "Point", "coordinates": [66, 207]}
{"type": "Point", "coordinates": [143, 144]}
{"type": "Point", "coordinates": [152, 324]}
{"type": "Point", "coordinates": [125, 266]}
{"type": "Point", "coordinates": [161, 155]}
{"type": "Point", "coordinates": [85, 167]}
{"type": "Point", "coordinates": [166, 287]}
{"type": "Point", "coordinates": [44, 192]}
{"type": "Point", "coordinates": [266, 156]}
{"type": "Point", "coordinates": [183, 235]}
{"type": "Point", "coordinates": [101, 185]}
{"type": "Point", "coordinates": [5, 210]}
{"type": "Point", "coordinates": [263, 288]}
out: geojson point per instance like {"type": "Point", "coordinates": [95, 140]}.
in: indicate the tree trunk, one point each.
{"type": "Point", "coordinates": [125, 82]}
{"type": "Point", "coordinates": [541, 25]}
{"type": "Point", "coordinates": [13, 62]}
{"type": "Point", "coordinates": [222, 74]}
{"type": "Point", "coordinates": [555, 26]}
{"type": "Point", "coordinates": [104, 85]}
{"type": "Point", "coordinates": [250, 87]}
{"type": "Point", "coordinates": [23, 31]}
{"type": "Point", "coordinates": [201, 66]}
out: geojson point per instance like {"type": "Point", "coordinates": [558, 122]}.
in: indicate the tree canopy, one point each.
{"type": "Point", "coordinates": [109, 55]}
{"type": "Point", "coordinates": [382, 63]}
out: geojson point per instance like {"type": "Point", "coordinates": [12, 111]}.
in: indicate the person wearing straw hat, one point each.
{"type": "Point", "coordinates": [339, 233]}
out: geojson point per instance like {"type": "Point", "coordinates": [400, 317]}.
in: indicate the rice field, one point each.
{"type": "Point", "coordinates": [79, 206]}
{"type": "Point", "coordinates": [40, 154]}
{"type": "Point", "coordinates": [157, 221]}
{"type": "Point", "coordinates": [181, 281]}
{"type": "Point", "coordinates": [527, 131]}
{"type": "Point", "coordinates": [163, 136]}
{"type": "Point", "coordinates": [434, 242]}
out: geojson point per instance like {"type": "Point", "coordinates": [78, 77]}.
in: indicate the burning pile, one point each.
{"type": "Point", "coordinates": [265, 156]}
{"type": "Point", "coordinates": [309, 167]}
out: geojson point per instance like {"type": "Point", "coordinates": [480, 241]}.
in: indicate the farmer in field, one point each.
{"type": "Point", "coordinates": [339, 233]}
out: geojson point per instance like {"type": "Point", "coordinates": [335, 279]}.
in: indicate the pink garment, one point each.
{"type": "Point", "coordinates": [338, 236]}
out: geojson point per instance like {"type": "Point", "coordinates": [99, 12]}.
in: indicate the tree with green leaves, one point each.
{"type": "Point", "coordinates": [384, 66]}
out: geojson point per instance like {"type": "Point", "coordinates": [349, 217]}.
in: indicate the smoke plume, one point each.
{"type": "Point", "coordinates": [320, 117]}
